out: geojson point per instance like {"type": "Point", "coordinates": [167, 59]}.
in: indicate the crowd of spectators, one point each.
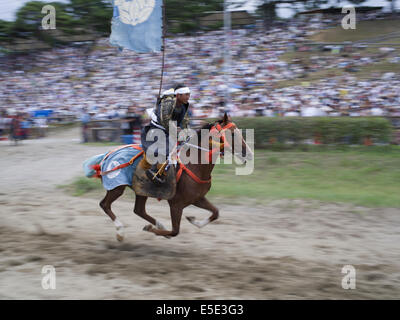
{"type": "Point", "coordinates": [106, 82]}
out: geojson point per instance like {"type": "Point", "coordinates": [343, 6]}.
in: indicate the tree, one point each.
{"type": "Point", "coordinates": [29, 18]}
{"type": "Point", "coordinates": [93, 15]}
{"type": "Point", "coordinates": [28, 23]}
{"type": "Point", "coordinates": [183, 16]}
{"type": "Point", "coordinates": [5, 30]}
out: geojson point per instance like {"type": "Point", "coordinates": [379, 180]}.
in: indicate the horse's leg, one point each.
{"type": "Point", "coordinates": [176, 215]}
{"type": "Point", "coordinates": [140, 210]}
{"type": "Point", "coordinates": [105, 204]}
{"type": "Point", "coordinates": [204, 204]}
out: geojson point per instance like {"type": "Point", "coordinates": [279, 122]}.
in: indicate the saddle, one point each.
{"type": "Point", "coordinates": [144, 187]}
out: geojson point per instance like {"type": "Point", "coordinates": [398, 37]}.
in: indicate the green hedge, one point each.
{"type": "Point", "coordinates": [326, 130]}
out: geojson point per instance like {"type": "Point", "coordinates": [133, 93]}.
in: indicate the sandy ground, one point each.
{"type": "Point", "coordinates": [283, 250]}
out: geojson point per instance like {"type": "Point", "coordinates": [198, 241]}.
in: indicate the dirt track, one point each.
{"type": "Point", "coordinates": [285, 250]}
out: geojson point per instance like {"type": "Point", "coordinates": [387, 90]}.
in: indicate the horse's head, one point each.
{"type": "Point", "coordinates": [226, 135]}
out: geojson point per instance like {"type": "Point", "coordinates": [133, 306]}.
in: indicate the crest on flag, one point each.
{"type": "Point", "coordinates": [137, 25]}
{"type": "Point", "coordinates": [135, 11]}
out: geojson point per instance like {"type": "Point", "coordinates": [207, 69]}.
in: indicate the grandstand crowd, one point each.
{"type": "Point", "coordinates": [107, 81]}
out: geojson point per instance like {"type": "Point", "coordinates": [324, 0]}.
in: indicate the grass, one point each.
{"type": "Point", "coordinates": [81, 186]}
{"type": "Point", "coordinates": [364, 176]}
{"type": "Point", "coordinates": [364, 30]}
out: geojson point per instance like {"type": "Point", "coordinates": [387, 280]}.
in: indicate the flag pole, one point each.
{"type": "Point", "coordinates": [163, 46]}
{"type": "Point", "coordinates": [227, 56]}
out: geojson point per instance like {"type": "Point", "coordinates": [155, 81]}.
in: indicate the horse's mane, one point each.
{"type": "Point", "coordinates": [208, 126]}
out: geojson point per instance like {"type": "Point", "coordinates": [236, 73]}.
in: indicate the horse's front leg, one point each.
{"type": "Point", "coordinates": [204, 204]}
{"type": "Point", "coordinates": [176, 215]}
{"type": "Point", "coordinates": [140, 210]}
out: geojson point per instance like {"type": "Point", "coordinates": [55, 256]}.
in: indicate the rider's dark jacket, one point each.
{"type": "Point", "coordinates": [166, 110]}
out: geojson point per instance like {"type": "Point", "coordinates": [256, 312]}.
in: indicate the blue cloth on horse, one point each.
{"type": "Point", "coordinates": [122, 176]}
{"type": "Point", "coordinates": [87, 165]}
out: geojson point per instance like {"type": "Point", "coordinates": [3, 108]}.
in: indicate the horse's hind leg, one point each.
{"type": "Point", "coordinates": [105, 204]}
{"type": "Point", "coordinates": [204, 204]}
{"type": "Point", "coordinates": [140, 210]}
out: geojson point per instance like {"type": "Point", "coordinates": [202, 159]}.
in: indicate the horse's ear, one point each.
{"type": "Point", "coordinates": [225, 119]}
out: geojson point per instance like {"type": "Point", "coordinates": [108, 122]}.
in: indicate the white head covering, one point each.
{"type": "Point", "coordinates": [182, 90]}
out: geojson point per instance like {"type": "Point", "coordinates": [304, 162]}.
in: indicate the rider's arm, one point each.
{"type": "Point", "coordinates": [167, 106]}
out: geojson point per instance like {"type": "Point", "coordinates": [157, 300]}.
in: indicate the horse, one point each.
{"type": "Point", "coordinates": [191, 189]}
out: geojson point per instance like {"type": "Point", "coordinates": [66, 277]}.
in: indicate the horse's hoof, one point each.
{"type": "Point", "coordinates": [191, 219]}
{"type": "Point", "coordinates": [148, 228]}
{"type": "Point", "coordinates": [120, 234]}
{"type": "Point", "coordinates": [160, 226]}
{"type": "Point", "coordinates": [198, 224]}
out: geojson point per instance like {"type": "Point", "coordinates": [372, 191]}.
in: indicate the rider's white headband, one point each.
{"type": "Point", "coordinates": [182, 90]}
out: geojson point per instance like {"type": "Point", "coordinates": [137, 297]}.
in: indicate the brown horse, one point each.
{"type": "Point", "coordinates": [193, 185]}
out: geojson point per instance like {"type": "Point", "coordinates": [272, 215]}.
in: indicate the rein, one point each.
{"type": "Point", "coordinates": [216, 128]}
{"type": "Point", "coordinates": [190, 173]}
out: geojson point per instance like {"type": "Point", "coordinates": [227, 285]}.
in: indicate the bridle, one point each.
{"type": "Point", "coordinates": [216, 130]}
{"type": "Point", "coordinates": [220, 131]}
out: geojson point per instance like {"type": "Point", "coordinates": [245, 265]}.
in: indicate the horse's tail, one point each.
{"type": "Point", "coordinates": [91, 166]}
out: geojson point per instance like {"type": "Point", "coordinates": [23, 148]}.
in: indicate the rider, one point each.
{"type": "Point", "coordinates": [172, 106]}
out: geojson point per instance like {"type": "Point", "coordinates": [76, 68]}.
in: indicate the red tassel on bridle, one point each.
{"type": "Point", "coordinates": [97, 168]}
